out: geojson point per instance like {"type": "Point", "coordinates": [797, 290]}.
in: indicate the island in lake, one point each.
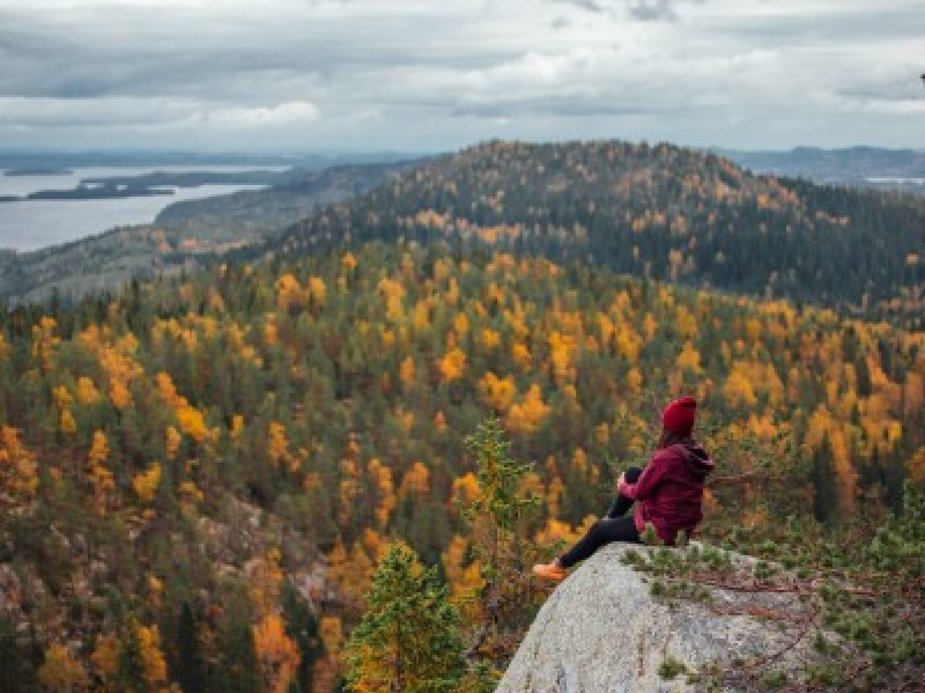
{"type": "Point", "coordinates": [90, 192]}
{"type": "Point", "coordinates": [194, 179]}
{"type": "Point", "coordinates": [98, 192]}
{"type": "Point", "coordinates": [156, 183]}
{"type": "Point", "coordinates": [38, 171]}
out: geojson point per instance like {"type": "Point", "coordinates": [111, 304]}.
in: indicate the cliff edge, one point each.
{"type": "Point", "coordinates": [603, 630]}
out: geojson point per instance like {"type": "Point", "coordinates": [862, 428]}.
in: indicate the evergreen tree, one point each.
{"type": "Point", "coordinates": [239, 673]}
{"type": "Point", "coordinates": [19, 662]}
{"type": "Point", "coordinates": [408, 640]}
{"type": "Point", "coordinates": [302, 627]}
{"type": "Point", "coordinates": [497, 517]}
{"type": "Point", "coordinates": [863, 374]}
{"type": "Point", "coordinates": [190, 666]}
{"type": "Point", "coordinates": [825, 483]}
{"type": "Point", "coordinates": [11, 659]}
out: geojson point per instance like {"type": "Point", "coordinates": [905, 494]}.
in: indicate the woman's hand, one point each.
{"type": "Point", "coordinates": [621, 480]}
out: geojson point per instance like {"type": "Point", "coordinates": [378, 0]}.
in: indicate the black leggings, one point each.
{"type": "Point", "coordinates": [616, 526]}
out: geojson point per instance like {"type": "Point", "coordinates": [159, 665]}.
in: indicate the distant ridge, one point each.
{"type": "Point", "coordinates": [661, 212]}
{"type": "Point", "coordinates": [851, 165]}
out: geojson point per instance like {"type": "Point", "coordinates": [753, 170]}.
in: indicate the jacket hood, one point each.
{"type": "Point", "coordinates": [696, 458]}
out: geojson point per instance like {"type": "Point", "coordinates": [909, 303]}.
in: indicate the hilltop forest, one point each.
{"type": "Point", "coordinates": [659, 211]}
{"type": "Point", "coordinates": [200, 475]}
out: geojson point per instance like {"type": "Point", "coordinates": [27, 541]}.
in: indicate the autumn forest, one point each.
{"type": "Point", "coordinates": [442, 379]}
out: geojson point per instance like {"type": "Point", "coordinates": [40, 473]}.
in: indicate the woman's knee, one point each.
{"type": "Point", "coordinates": [632, 474]}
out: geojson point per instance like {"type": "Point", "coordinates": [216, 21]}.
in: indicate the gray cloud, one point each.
{"type": "Point", "coordinates": [418, 74]}
{"type": "Point", "coordinates": [642, 10]}
{"type": "Point", "coordinates": [589, 5]}
{"type": "Point", "coordinates": [653, 10]}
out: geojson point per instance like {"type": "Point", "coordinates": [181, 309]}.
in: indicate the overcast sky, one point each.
{"type": "Point", "coordinates": [426, 75]}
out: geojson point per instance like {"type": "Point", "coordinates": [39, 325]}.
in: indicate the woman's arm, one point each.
{"type": "Point", "coordinates": [650, 478]}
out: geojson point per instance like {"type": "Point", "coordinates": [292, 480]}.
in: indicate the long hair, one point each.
{"type": "Point", "coordinates": [669, 438]}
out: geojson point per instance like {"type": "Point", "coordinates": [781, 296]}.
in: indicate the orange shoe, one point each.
{"type": "Point", "coordinates": [550, 571]}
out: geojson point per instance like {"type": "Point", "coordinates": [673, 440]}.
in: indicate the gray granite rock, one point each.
{"type": "Point", "coordinates": [601, 631]}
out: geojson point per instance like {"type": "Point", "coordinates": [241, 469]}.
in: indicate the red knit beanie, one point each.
{"type": "Point", "coordinates": [678, 416]}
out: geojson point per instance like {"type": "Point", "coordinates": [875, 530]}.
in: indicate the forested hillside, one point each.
{"type": "Point", "coordinates": [198, 478]}
{"type": "Point", "coordinates": [656, 211]}
{"type": "Point", "coordinates": [251, 215]}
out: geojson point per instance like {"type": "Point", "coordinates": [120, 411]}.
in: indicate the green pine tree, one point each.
{"type": "Point", "coordinates": [408, 640]}
{"type": "Point", "coordinates": [12, 660]}
{"type": "Point", "coordinates": [302, 627]}
{"type": "Point", "coordinates": [498, 519]}
{"type": "Point", "coordinates": [825, 483]}
{"type": "Point", "coordinates": [190, 665]}
{"type": "Point", "coordinates": [19, 661]}
{"type": "Point", "coordinates": [243, 675]}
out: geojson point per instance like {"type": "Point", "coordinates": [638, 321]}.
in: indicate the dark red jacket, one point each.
{"type": "Point", "coordinates": [669, 493]}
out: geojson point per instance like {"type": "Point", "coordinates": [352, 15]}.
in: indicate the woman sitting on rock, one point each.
{"type": "Point", "coordinates": [669, 492]}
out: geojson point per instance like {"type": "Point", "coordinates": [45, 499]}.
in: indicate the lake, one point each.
{"type": "Point", "coordinates": [34, 224]}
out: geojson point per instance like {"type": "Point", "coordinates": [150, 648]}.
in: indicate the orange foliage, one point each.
{"type": "Point", "coordinates": [61, 672]}
{"type": "Point", "coordinates": [317, 291]}
{"type": "Point", "coordinates": [116, 358]}
{"type": "Point", "coordinates": [463, 575]}
{"type": "Point", "coordinates": [146, 483]}
{"type": "Point", "coordinates": [498, 392]}
{"type": "Point", "coordinates": [87, 394]}
{"type": "Point", "coordinates": [189, 418]}
{"type": "Point", "coordinates": [526, 416]}
{"type": "Point", "coordinates": [521, 354]}
{"type": "Point", "coordinates": [689, 358]}
{"type": "Point", "coordinates": [190, 493]}
{"type": "Point", "coordinates": [105, 657]}
{"type": "Point", "coordinates": [556, 532]}
{"type": "Point", "coordinates": [452, 365]}
{"type": "Point", "coordinates": [288, 293]}
{"type": "Point", "coordinates": [172, 441]}
{"type": "Point", "coordinates": [155, 666]}
{"type": "Point", "coordinates": [67, 423]}
{"type": "Point", "coordinates": [237, 427]}
{"type": "Point", "coordinates": [628, 343]}
{"type": "Point", "coordinates": [352, 574]}
{"type": "Point", "coordinates": [348, 261]}
{"type": "Point", "coordinates": [100, 476]}
{"type": "Point", "coordinates": [634, 380]}
{"type": "Point", "coordinates": [738, 389]}
{"type": "Point", "coordinates": [465, 489]}
{"type": "Point", "coordinates": [44, 341]}
{"type": "Point", "coordinates": [562, 349]}
{"type": "Point", "coordinates": [406, 371]}
{"type": "Point", "coordinates": [416, 481]}
{"type": "Point", "coordinates": [490, 338]}
{"type": "Point", "coordinates": [461, 324]}
{"type": "Point", "coordinates": [277, 655]}
{"type": "Point", "coordinates": [278, 447]}
{"type": "Point", "coordinates": [332, 634]}
{"type": "Point", "coordinates": [385, 490]}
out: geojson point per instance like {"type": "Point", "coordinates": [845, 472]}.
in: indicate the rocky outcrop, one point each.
{"type": "Point", "coordinates": [602, 630]}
